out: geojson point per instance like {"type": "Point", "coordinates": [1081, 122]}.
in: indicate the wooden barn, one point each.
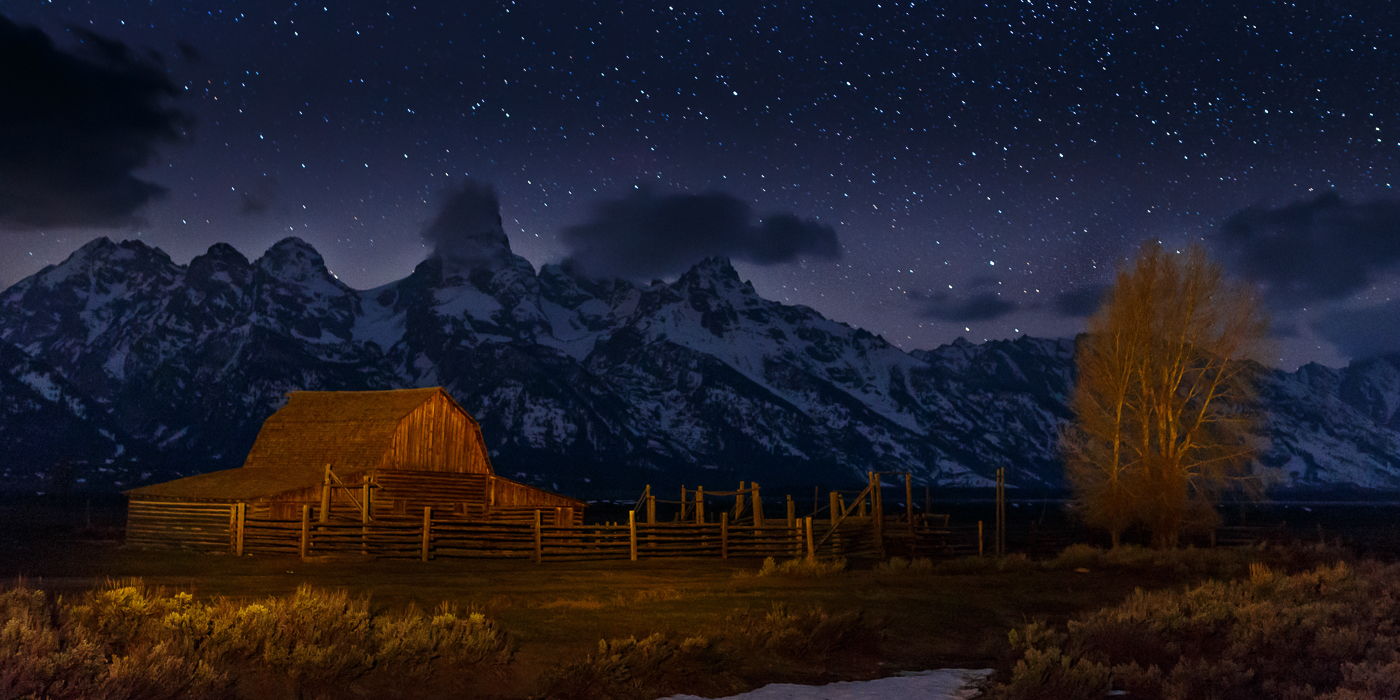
{"type": "Point", "coordinates": [349, 455]}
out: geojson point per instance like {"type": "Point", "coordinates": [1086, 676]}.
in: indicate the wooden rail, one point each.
{"type": "Point", "coordinates": [431, 537]}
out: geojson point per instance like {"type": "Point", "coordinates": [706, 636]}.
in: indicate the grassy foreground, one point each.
{"type": "Point", "coordinates": [273, 627]}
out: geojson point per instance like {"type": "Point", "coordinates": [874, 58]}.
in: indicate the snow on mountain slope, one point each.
{"type": "Point", "coordinates": [610, 381]}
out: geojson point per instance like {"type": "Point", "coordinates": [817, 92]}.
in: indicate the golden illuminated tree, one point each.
{"type": "Point", "coordinates": [1163, 403]}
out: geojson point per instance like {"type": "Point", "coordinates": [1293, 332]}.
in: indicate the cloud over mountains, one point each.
{"type": "Point", "coordinates": [76, 127]}
{"type": "Point", "coordinates": [650, 235]}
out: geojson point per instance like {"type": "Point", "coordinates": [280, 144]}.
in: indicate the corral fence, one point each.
{"type": "Point", "coordinates": [850, 524]}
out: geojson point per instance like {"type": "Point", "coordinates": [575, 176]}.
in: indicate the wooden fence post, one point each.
{"type": "Point", "coordinates": [539, 539]}
{"type": "Point", "coordinates": [757, 502]}
{"type": "Point", "coordinates": [305, 529]}
{"type": "Point", "coordinates": [427, 531]}
{"type": "Point", "coordinates": [791, 512]}
{"type": "Point", "coordinates": [699, 505]}
{"type": "Point", "coordinates": [325, 496]}
{"type": "Point", "coordinates": [242, 516]}
{"type": "Point", "coordinates": [739, 502]}
{"type": "Point", "coordinates": [836, 508]}
{"type": "Point", "coordinates": [1001, 512]}
{"type": "Point", "coordinates": [981, 541]}
{"type": "Point", "coordinates": [723, 535]}
{"type": "Point", "coordinates": [632, 531]}
{"type": "Point", "coordinates": [364, 518]}
{"type": "Point", "coordinates": [877, 513]}
{"type": "Point", "coordinates": [651, 508]}
{"type": "Point", "coordinates": [811, 545]}
{"type": "Point", "coordinates": [909, 500]}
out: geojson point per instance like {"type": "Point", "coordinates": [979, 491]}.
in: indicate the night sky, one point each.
{"type": "Point", "coordinates": [924, 171]}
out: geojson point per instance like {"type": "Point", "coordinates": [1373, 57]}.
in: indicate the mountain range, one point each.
{"type": "Point", "coordinates": [119, 367]}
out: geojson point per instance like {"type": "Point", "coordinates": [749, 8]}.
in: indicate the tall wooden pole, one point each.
{"type": "Point", "coordinates": [836, 509]}
{"type": "Point", "coordinates": [427, 531]}
{"type": "Point", "coordinates": [791, 512]}
{"type": "Point", "coordinates": [539, 540]}
{"type": "Point", "coordinates": [1001, 512]}
{"type": "Point", "coordinates": [699, 505]}
{"type": "Point", "coordinates": [757, 503]}
{"type": "Point", "coordinates": [909, 500]}
{"type": "Point", "coordinates": [242, 516]}
{"type": "Point", "coordinates": [632, 532]}
{"type": "Point", "coordinates": [364, 518]}
{"type": "Point", "coordinates": [305, 529]}
{"type": "Point", "coordinates": [811, 544]}
{"type": "Point", "coordinates": [877, 513]}
{"type": "Point", "coordinates": [723, 535]}
{"type": "Point", "coordinates": [326, 496]}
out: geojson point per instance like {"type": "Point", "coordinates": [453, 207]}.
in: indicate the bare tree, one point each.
{"type": "Point", "coordinates": [1163, 403]}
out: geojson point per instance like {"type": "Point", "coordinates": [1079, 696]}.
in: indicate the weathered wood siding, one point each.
{"type": "Point", "coordinates": [407, 492]}
{"type": "Point", "coordinates": [471, 496]}
{"type": "Point", "coordinates": [202, 527]}
{"type": "Point", "coordinates": [438, 437]}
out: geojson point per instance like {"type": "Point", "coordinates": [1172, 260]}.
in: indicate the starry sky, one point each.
{"type": "Point", "coordinates": [925, 171]}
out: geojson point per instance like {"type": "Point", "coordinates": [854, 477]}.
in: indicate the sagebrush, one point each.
{"type": "Point", "coordinates": [1328, 633]}
{"type": "Point", "coordinates": [714, 663]}
{"type": "Point", "coordinates": [126, 640]}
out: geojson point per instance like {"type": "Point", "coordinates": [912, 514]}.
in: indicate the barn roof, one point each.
{"type": "Point", "coordinates": [347, 429]}
{"type": "Point", "coordinates": [241, 484]}
{"type": "Point", "coordinates": [350, 430]}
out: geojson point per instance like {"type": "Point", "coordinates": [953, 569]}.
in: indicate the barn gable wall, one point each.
{"type": "Point", "coordinates": [438, 436]}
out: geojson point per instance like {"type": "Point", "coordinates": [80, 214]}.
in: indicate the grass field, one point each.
{"type": "Point", "coordinates": [555, 614]}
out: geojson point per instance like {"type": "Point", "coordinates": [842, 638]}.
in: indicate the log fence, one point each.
{"type": "Point", "coordinates": [852, 524]}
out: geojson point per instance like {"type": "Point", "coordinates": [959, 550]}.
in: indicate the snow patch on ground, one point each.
{"type": "Point", "coordinates": [941, 684]}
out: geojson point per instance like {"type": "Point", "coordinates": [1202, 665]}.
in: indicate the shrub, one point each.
{"type": "Point", "coordinates": [714, 663]}
{"type": "Point", "coordinates": [1328, 632]}
{"type": "Point", "coordinates": [113, 644]}
{"type": "Point", "coordinates": [125, 640]}
{"type": "Point", "coordinates": [626, 669]}
{"type": "Point", "coordinates": [803, 568]}
{"type": "Point", "coordinates": [900, 565]}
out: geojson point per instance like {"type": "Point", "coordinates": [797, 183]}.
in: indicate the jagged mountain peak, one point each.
{"type": "Point", "coordinates": [714, 267]}
{"type": "Point", "coordinates": [224, 254]}
{"type": "Point", "coordinates": [468, 234]}
{"type": "Point", "coordinates": [222, 264]}
{"type": "Point", "coordinates": [690, 380]}
{"type": "Point", "coordinates": [294, 260]}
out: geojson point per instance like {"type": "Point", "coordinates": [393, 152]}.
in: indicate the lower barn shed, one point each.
{"type": "Point", "coordinates": [347, 455]}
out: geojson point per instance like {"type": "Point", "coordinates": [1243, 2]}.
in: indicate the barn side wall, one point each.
{"type": "Point", "coordinates": [471, 496]}
{"type": "Point", "coordinates": [438, 437]}
{"type": "Point", "coordinates": [203, 527]}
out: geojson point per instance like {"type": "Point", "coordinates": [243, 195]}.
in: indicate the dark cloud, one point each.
{"type": "Point", "coordinates": [191, 54]}
{"type": "Point", "coordinates": [72, 129]}
{"type": "Point", "coordinates": [1081, 302]}
{"type": "Point", "coordinates": [259, 198]}
{"type": "Point", "coordinates": [647, 235]}
{"type": "Point", "coordinates": [1361, 333]}
{"type": "Point", "coordinates": [979, 306]}
{"type": "Point", "coordinates": [467, 232]}
{"type": "Point", "coordinates": [1315, 249]}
